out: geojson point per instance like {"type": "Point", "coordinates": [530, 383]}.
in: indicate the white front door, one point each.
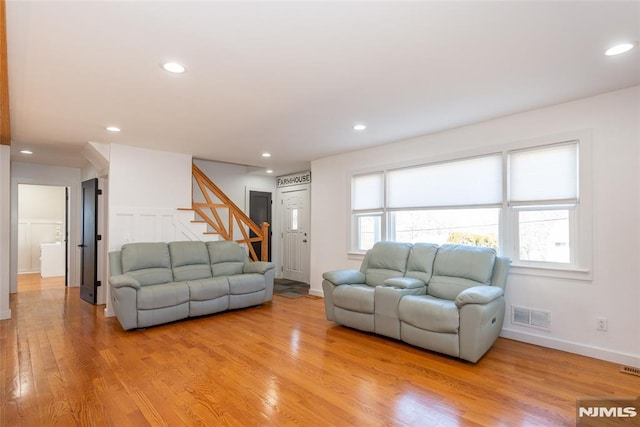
{"type": "Point", "coordinates": [295, 235]}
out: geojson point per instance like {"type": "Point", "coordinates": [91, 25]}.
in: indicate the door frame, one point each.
{"type": "Point", "coordinates": [66, 226]}
{"type": "Point", "coordinates": [26, 173]}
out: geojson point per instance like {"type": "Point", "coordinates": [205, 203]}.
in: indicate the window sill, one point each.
{"type": "Point", "coordinates": [554, 272]}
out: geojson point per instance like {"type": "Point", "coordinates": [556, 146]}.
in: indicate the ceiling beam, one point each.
{"type": "Point", "coordinates": [5, 118]}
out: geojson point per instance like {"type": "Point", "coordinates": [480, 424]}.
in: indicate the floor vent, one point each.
{"type": "Point", "coordinates": [630, 370]}
{"type": "Point", "coordinates": [533, 318]}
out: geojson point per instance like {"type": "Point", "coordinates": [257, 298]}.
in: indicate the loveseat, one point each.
{"type": "Point", "coordinates": [154, 283]}
{"type": "Point", "coordinates": [448, 299]}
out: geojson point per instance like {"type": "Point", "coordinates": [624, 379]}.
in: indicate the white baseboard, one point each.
{"type": "Point", "coordinates": [316, 293]}
{"type": "Point", "coordinates": [573, 347]}
{"type": "Point", "coordinates": [108, 312]}
{"type": "Point", "coordinates": [5, 314]}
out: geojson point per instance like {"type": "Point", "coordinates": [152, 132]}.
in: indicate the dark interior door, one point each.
{"type": "Point", "coordinates": [259, 212]}
{"type": "Point", "coordinates": [89, 260]}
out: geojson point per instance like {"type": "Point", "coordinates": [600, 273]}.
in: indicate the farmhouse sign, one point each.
{"type": "Point", "coordinates": [294, 179]}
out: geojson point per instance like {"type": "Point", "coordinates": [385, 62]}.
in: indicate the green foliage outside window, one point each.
{"type": "Point", "coordinates": [488, 240]}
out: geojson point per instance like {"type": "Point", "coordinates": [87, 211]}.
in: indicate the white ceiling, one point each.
{"type": "Point", "coordinates": [292, 78]}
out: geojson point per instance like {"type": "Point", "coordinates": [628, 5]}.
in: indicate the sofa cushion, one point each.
{"type": "Point", "coordinates": [206, 289]}
{"type": "Point", "coordinates": [140, 255]}
{"type": "Point", "coordinates": [420, 262]}
{"type": "Point", "coordinates": [226, 257]}
{"type": "Point", "coordinates": [384, 261]}
{"type": "Point", "coordinates": [429, 313]}
{"type": "Point", "coordinates": [164, 295]}
{"type": "Point", "coordinates": [189, 260]}
{"type": "Point", "coordinates": [464, 261]}
{"type": "Point", "coordinates": [147, 262]}
{"type": "Point", "coordinates": [358, 298]}
{"type": "Point", "coordinates": [240, 284]}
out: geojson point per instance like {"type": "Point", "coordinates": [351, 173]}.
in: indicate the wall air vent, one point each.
{"type": "Point", "coordinates": [530, 317]}
{"type": "Point", "coordinates": [630, 370]}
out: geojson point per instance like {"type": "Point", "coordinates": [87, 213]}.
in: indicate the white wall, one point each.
{"type": "Point", "coordinates": [614, 292]}
{"type": "Point", "coordinates": [5, 230]}
{"type": "Point", "coordinates": [148, 178]}
{"type": "Point", "coordinates": [41, 202]}
{"type": "Point", "coordinates": [31, 173]}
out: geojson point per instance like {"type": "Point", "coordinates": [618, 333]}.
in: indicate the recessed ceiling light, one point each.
{"type": "Point", "coordinates": [359, 127]}
{"type": "Point", "coordinates": [619, 48]}
{"type": "Point", "coordinates": [174, 67]}
{"type": "Point", "coordinates": [269, 171]}
{"type": "Point", "coordinates": [26, 151]}
{"type": "Point", "coordinates": [266, 154]}
{"type": "Point", "coordinates": [113, 129]}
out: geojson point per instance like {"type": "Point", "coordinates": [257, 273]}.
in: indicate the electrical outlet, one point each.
{"type": "Point", "coordinates": [602, 323]}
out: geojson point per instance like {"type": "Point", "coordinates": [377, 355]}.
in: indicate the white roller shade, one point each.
{"type": "Point", "coordinates": [367, 191]}
{"type": "Point", "coordinates": [544, 174]}
{"type": "Point", "coordinates": [468, 182]}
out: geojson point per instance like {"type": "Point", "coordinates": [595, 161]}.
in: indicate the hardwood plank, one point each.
{"type": "Point", "coordinates": [282, 363]}
{"type": "Point", "coordinates": [34, 282]}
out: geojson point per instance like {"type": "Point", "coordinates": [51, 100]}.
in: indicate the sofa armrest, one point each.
{"type": "Point", "coordinates": [404, 282]}
{"type": "Point", "coordinates": [344, 277]}
{"type": "Point", "coordinates": [260, 267]}
{"type": "Point", "coordinates": [478, 295]}
{"type": "Point", "coordinates": [124, 281]}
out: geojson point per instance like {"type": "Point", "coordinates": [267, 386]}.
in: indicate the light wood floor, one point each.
{"type": "Point", "coordinates": [34, 282]}
{"type": "Point", "coordinates": [63, 363]}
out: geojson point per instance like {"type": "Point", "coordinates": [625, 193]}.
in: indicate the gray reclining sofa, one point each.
{"type": "Point", "coordinates": [448, 299]}
{"type": "Point", "coordinates": [154, 283]}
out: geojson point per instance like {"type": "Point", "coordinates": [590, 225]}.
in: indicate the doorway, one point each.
{"type": "Point", "coordinates": [295, 235]}
{"type": "Point", "coordinates": [259, 212]}
{"type": "Point", "coordinates": [43, 224]}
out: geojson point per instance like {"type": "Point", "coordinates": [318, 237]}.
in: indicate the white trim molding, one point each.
{"type": "Point", "coordinates": [572, 347]}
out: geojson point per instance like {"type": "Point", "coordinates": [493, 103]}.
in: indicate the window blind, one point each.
{"type": "Point", "coordinates": [367, 191]}
{"type": "Point", "coordinates": [548, 174]}
{"type": "Point", "coordinates": [468, 182]}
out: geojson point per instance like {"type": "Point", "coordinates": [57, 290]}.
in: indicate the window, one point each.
{"type": "Point", "coordinates": [544, 235]}
{"type": "Point", "coordinates": [294, 219]}
{"type": "Point", "coordinates": [478, 227]}
{"type": "Point", "coordinates": [367, 204]}
{"type": "Point", "coordinates": [369, 231]}
{"type": "Point", "coordinates": [524, 201]}
{"type": "Point", "coordinates": [543, 197]}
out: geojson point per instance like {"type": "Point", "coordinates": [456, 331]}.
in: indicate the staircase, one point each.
{"type": "Point", "coordinates": [223, 219]}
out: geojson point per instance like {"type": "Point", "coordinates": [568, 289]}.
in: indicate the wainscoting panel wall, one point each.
{"type": "Point", "coordinates": [153, 225]}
